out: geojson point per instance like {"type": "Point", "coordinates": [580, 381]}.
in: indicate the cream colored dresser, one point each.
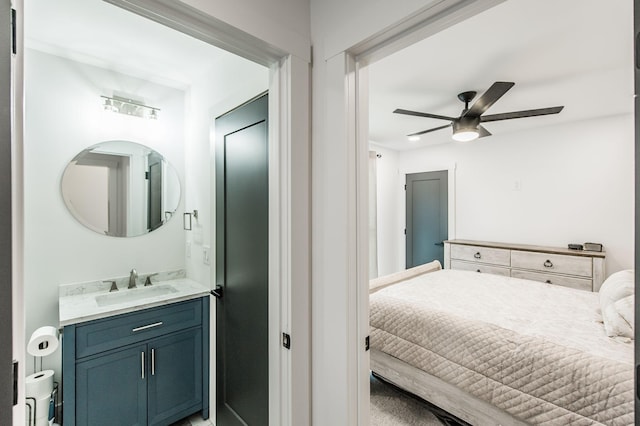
{"type": "Point", "coordinates": [579, 269]}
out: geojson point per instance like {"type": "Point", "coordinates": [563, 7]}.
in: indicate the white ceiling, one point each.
{"type": "Point", "coordinates": [100, 34]}
{"type": "Point", "coordinates": [574, 53]}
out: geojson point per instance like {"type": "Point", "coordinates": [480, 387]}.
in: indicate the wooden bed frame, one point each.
{"type": "Point", "coordinates": [461, 404]}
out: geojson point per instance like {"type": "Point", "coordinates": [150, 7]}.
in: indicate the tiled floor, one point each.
{"type": "Point", "coordinates": [195, 420]}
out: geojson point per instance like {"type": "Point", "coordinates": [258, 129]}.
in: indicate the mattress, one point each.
{"type": "Point", "coordinates": [535, 350]}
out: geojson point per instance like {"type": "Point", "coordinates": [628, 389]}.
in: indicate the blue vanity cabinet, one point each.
{"type": "Point", "coordinates": [175, 377]}
{"type": "Point", "coordinates": [111, 385]}
{"type": "Point", "coordinates": [149, 367]}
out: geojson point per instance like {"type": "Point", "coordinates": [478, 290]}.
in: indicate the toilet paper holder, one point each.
{"type": "Point", "coordinates": [33, 407]}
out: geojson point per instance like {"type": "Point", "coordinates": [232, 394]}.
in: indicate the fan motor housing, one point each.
{"type": "Point", "coordinates": [466, 123]}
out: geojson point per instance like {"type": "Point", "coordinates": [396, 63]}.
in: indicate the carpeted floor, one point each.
{"type": "Point", "coordinates": [391, 406]}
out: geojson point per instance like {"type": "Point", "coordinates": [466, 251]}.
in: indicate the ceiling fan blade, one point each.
{"type": "Point", "coordinates": [488, 98]}
{"type": "Point", "coordinates": [423, 114]}
{"type": "Point", "coordinates": [430, 130]}
{"type": "Point", "coordinates": [482, 132]}
{"type": "Point", "coordinates": [521, 114]}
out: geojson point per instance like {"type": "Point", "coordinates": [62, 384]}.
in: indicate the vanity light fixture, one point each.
{"type": "Point", "coordinates": [128, 106]}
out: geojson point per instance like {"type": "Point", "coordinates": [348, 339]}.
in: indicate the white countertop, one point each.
{"type": "Point", "coordinates": [76, 308]}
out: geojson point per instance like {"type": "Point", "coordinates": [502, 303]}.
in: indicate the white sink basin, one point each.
{"type": "Point", "coordinates": [134, 295]}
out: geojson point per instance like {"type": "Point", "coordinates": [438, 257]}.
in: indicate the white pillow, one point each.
{"type": "Point", "coordinates": [618, 286]}
{"type": "Point", "coordinates": [626, 308]}
{"type": "Point", "coordinates": [618, 318]}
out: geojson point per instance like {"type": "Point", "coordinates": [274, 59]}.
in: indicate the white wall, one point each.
{"type": "Point", "coordinates": [281, 23]}
{"type": "Point", "coordinates": [569, 183]}
{"type": "Point", "coordinates": [216, 92]}
{"type": "Point", "coordinates": [390, 195]}
{"type": "Point", "coordinates": [64, 115]}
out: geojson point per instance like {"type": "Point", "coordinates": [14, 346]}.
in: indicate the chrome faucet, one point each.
{"type": "Point", "coordinates": [147, 281]}
{"type": "Point", "coordinates": [133, 275]}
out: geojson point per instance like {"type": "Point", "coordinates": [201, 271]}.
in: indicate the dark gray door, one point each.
{"type": "Point", "coordinates": [6, 351]}
{"type": "Point", "coordinates": [242, 231]}
{"type": "Point", "coordinates": [427, 221]}
{"type": "Point", "coordinates": [636, 39]}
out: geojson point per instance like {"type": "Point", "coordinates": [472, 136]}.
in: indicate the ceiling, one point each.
{"type": "Point", "coordinates": [100, 34]}
{"type": "Point", "coordinates": [570, 52]}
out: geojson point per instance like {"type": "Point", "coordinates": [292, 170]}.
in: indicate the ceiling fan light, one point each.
{"type": "Point", "coordinates": [465, 135]}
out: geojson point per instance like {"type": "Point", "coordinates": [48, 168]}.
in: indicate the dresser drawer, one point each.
{"type": "Point", "coordinates": [556, 263]}
{"type": "Point", "coordinates": [577, 283]}
{"type": "Point", "coordinates": [493, 256]}
{"type": "Point", "coordinates": [105, 334]}
{"type": "Point", "coordinates": [477, 267]}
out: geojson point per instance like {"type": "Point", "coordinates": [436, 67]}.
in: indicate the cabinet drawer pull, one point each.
{"type": "Point", "coordinates": [145, 327]}
{"type": "Point", "coordinates": [153, 362]}
{"type": "Point", "coordinates": [548, 282]}
{"type": "Point", "coordinates": [142, 365]}
{"type": "Point", "coordinates": [478, 270]}
{"type": "Point", "coordinates": [477, 255]}
{"type": "Point", "coordinates": [547, 264]}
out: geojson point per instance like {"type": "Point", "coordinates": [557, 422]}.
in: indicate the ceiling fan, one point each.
{"type": "Point", "coordinates": [467, 127]}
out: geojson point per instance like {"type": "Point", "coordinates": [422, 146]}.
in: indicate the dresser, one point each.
{"type": "Point", "coordinates": [583, 270]}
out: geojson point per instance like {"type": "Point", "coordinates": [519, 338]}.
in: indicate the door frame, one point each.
{"type": "Point", "coordinates": [451, 202]}
{"type": "Point", "coordinates": [289, 202]}
{"type": "Point", "coordinates": [353, 115]}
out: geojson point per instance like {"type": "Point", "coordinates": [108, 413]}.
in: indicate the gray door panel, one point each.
{"type": "Point", "coordinates": [242, 227]}
{"type": "Point", "coordinates": [6, 351]}
{"type": "Point", "coordinates": [426, 217]}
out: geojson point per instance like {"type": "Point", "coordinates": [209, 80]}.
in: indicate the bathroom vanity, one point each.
{"type": "Point", "coordinates": [142, 361]}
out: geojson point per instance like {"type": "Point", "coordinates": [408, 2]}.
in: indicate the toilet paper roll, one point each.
{"type": "Point", "coordinates": [43, 342]}
{"type": "Point", "coordinates": [41, 412]}
{"type": "Point", "coordinates": [39, 385]}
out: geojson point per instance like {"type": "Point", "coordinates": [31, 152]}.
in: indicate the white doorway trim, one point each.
{"type": "Point", "coordinates": [390, 40]}
{"type": "Point", "coordinates": [289, 202]}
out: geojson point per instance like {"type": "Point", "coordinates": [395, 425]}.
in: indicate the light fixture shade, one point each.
{"type": "Point", "coordinates": [130, 107]}
{"type": "Point", "coordinates": [466, 129]}
{"type": "Point", "coordinates": [465, 135]}
{"type": "Point", "coordinates": [108, 106]}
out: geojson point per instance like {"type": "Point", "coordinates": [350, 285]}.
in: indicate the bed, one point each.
{"type": "Point", "coordinates": [500, 350]}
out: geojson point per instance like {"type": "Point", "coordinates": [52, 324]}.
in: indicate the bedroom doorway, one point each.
{"type": "Point", "coordinates": [426, 201]}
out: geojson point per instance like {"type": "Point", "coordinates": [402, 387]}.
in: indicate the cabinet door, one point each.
{"type": "Point", "coordinates": [175, 376]}
{"type": "Point", "coordinates": [112, 389]}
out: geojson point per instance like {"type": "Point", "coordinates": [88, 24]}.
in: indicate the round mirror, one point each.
{"type": "Point", "coordinates": [121, 189]}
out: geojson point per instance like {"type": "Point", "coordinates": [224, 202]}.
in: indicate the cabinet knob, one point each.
{"type": "Point", "coordinates": [547, 264]}
{"type": "Point", "coordinates": [477, 255]}
{"type": "Point", "coordinates": [548, 282]}
{"type": "Point", "coordinates": [478, 270]}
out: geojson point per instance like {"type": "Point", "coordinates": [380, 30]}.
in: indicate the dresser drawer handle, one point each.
{"type": "Point", "coordinates": [146, 327]}
{"type": "Point", "coordinates": [548, 264]}
{"type": "Point", "coordinates": [477, 255]}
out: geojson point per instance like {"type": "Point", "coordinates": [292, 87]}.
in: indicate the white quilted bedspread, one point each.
{"type": "Point", "coordinates": [537, 351]}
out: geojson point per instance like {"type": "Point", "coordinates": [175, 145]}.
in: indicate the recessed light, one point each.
{"type": "Point", "coordinates": [413, 138]}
